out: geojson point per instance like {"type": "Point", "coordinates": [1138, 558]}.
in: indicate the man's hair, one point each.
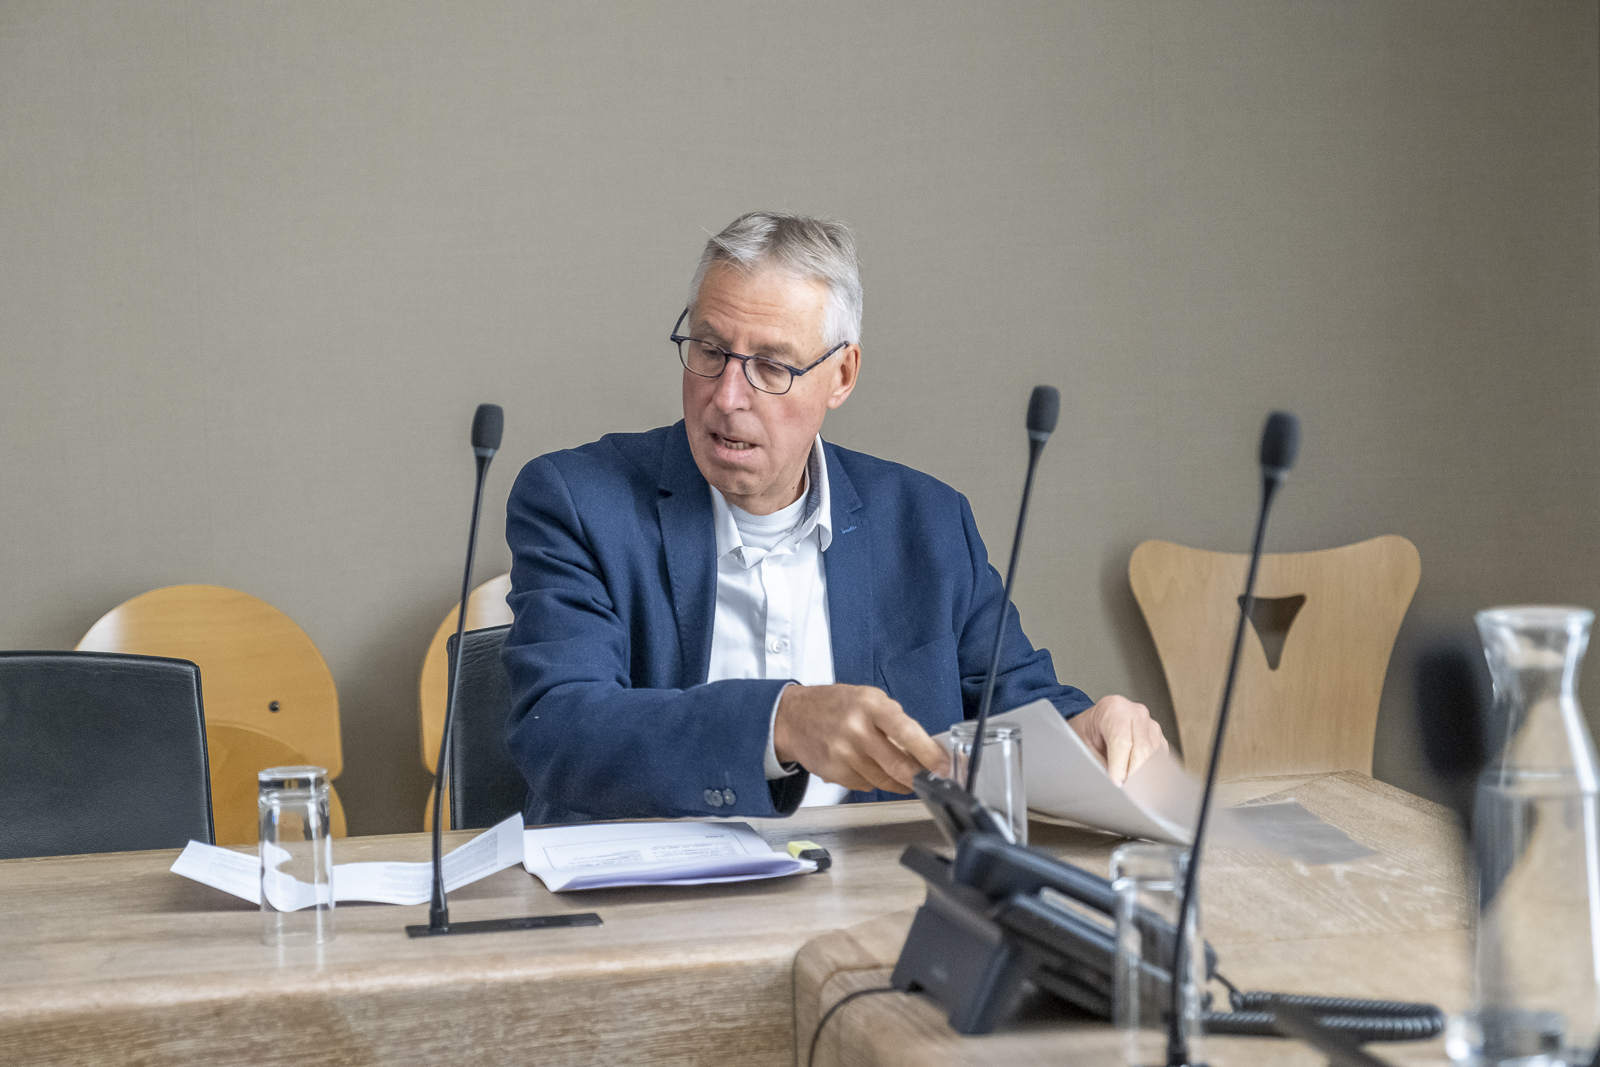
{"type": "Point", "coordinates": [823, 250]}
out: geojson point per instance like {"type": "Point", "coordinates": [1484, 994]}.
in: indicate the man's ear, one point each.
{"type": "Point", "coordinates": [844, 375]}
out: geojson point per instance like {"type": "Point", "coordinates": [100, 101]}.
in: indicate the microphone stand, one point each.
{"type": "Point", "coordinates": [1036, 441]}
{"type": "Point", "coordinates": [486, 428]}
{"type": "Point", "coordinates": [439, 908]}
{"type": "Point", "coordinates": [1177, 1040]}
{"type": "Point", "coordinates": [1044, 408]}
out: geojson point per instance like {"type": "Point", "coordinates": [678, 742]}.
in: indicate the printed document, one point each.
{"type": "Point", "coordinates": [602, 855]}
{"type": "Point", "coordinates": [239, 873]}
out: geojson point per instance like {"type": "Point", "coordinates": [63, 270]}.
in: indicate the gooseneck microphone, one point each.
{"type": "Point", "coordinates": [1280, 444]}
{"type": "Point", "coordinates": [488, 424]}
{"type": "Point", "coordinates": [1044, 408]}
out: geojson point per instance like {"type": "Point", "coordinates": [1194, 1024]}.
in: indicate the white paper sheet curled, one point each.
{"type": "Point", "coordinates": [602, 855]}
{"type": "Point", "coordinates": [238, 873]}
{"type": "Point", "coordinates": [1066, 780]}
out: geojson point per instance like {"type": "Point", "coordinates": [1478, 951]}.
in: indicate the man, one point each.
{"type": "Point", "coordinates": [726, 616]}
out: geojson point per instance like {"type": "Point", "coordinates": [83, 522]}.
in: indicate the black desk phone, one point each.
{"type": "Point", "coordinates": [1000, 918]}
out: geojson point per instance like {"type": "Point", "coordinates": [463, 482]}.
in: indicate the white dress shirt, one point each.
{"type": "Point", "coordinates": [772, 600]}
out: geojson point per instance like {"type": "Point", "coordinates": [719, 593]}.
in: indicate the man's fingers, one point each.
{"type": "Point", "coordinates": [1144, 747]}
{"type": "Point", "coordinates": [840, 773]}
{"type": "Point", "coordinates": [914, 741]}
{"type": "Point", "coordinates": [1119, 747]}
{"type": "Point", "coordinates": [867, 768]}
{"type": "Point", "coordinates": [894, 761]}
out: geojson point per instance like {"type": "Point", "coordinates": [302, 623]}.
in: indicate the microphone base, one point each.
{"type": "Point", "coordinates": [499, 926]}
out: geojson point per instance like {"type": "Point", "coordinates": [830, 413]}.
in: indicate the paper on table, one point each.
{"type": "Point", "coordinates": [1065, 779]}
{"type": "Point", "coordinates": [238, 873]}
{"type": "Point", "coordinates": [602, 855]}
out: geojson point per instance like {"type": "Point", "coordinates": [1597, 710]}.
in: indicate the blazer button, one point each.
{"type": "Point", "coordinates": [713, 798]}
{"type": "Point", "coordinates": [728, 798]}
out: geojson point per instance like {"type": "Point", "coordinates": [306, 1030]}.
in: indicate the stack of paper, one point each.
{"type": "Point", "coordinates": [1066, 780]}
{"type": "Point", "coordinates": [601, 855]}
{"type": "Point", "coordinates": [592, 856]}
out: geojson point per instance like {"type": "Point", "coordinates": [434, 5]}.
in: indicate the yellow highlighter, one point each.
{"type": "Point", "coordinates": [810, 850]}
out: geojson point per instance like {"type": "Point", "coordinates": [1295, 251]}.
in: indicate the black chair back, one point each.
{"type": "Point", "coordinates": [485, 786]}
{"type": "Point", "coordinates": [103, 753]}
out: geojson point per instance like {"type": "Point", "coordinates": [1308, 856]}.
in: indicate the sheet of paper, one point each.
{"type": "Point", "coordinates": [602, 855]}
{"type": "Point", "coordinates": [494, 850]}
{"type": "Point", "coordinates": [1065, 779]}
{"type": "Point", "coordinates": [386, 883]}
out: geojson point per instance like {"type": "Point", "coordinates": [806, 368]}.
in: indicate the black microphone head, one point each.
{"type": "Point", "coordinates": [1452, 698]}
{"type": "Point", "coordinates": [1280, 443]}
{"type": "Point", "coordinates": [488, 423]}
{"type": "Point", "coordinates": [1044, 408]}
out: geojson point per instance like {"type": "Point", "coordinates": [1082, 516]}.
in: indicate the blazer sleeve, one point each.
{"type": "Point", "coordinates": [1026, 673]}
{"type": "Point", "coordinates": [590, 745]}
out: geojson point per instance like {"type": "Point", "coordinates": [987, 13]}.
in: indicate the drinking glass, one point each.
{"type": "Point", "coordinates": [1148, 880]}
{"type": "Point", "coordinates": [296, 856]}
{"type": "Point", "coordinates": [999, 785]}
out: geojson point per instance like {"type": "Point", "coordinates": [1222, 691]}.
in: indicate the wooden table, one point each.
{"type": "Point", "coordinates": [111, 959]}
{"type": "Point", "coordinates": [1392, 925]}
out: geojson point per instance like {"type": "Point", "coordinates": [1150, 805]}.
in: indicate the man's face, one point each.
{"type": "Point", "coordinates": [752, 445]}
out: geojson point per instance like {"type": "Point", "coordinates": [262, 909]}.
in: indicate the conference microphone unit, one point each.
{"type": "Point", "coordinates": [488, 424]}
{"type": "Point", "coordinates": [1044, 408]}
{"type": "Point", "coordinates": [1280, 444]}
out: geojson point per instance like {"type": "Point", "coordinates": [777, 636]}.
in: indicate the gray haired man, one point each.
{"type": "Point", "coordinates": [731, 616]}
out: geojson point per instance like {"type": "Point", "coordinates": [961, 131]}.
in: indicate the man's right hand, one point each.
{"type": "Point", "coordinates": [855, 736]}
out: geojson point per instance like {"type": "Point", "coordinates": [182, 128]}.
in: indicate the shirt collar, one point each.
{"type": "Point", "coordinates": [818, 510]}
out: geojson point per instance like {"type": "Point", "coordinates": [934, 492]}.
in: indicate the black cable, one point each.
{"type": "Point", "coordinates": [1363, 1020]}
{"type": "Point", "coordinates": [841, 1002]}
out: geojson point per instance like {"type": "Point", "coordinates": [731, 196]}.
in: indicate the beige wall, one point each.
{"type": "Point", "coordinates": [258, 261]}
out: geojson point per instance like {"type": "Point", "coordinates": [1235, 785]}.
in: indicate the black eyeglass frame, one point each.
{"type": "Point", "coordinates": [678, 340]}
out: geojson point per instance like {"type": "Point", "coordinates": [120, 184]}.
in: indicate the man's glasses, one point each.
{"type": "Point", "coordinates": [768, 375]}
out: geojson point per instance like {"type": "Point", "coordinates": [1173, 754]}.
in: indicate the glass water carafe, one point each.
{"type": "Point", "coordinates": [1534, 841]}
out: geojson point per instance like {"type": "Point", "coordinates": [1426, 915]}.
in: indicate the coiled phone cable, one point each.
{"type": "Point", "coordinates": [1363, 1020]}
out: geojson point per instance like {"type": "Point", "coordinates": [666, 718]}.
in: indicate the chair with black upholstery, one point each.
{"type": "Point", "coordinates": [104, 753]}
{"type": "Point", "coordinates": [485, 785]}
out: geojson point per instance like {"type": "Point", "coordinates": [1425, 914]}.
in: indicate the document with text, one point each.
{"type": "Point", "coordinates": [602, 855]}
{"type": "Point", "coordinates": [239, 873]}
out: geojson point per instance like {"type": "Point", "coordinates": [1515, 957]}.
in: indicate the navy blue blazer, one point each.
{"type": "Point", "coordinates": [613, 585]}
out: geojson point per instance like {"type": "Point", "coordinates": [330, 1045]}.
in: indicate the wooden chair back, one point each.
{"type": "Point", "coordinates": [1315, 652]}
{"type": "Point", "coordinates": [269, 697]}
{"type": "Point", "coordinates": [486, 607]}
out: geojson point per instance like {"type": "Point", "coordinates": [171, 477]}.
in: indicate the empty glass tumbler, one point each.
{"type": "Point", "coordinates": [999, 783]}
{"type": "Point", "coordinates": [1534, 840]}
{"type": "Point", "coordinates": [296, 856]}
{"type": "Point", "coordinates": [1148, 881]}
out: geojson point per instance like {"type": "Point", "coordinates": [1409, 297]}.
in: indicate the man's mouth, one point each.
{"type": "Point", "coordinates": [732, 444]}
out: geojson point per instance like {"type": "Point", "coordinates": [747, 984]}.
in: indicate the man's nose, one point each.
{"type": "Point", "coordinates": [733, 390]}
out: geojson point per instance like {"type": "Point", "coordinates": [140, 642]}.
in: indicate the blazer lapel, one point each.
{"type": "Point", "coordinates": [689, 539]}
{"type": "Point", "coordinates": [848, 563]}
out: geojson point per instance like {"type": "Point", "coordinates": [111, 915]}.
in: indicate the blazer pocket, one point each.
{"type": "Point", "coordinates": [927, 683]}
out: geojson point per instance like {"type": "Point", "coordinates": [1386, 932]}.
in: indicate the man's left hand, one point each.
{"type": "Point", "coordinates": [1121, 733]}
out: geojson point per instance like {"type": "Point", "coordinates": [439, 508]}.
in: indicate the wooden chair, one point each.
{"type": "Point", "coordinates": [1316, 649]}
{"type": "Point", "coordinates": [486, 607]}
{"type": "Point", "coordinates": [269, 699]}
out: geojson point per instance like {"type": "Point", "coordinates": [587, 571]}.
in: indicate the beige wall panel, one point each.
{"type": "Point", "coordinates": [262, 259]}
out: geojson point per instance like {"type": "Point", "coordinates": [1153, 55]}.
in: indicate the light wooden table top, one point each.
{"type": "Point", "coordinates": [1392, 925]}
{"type": "Point", "coordinates": [112, 959]}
